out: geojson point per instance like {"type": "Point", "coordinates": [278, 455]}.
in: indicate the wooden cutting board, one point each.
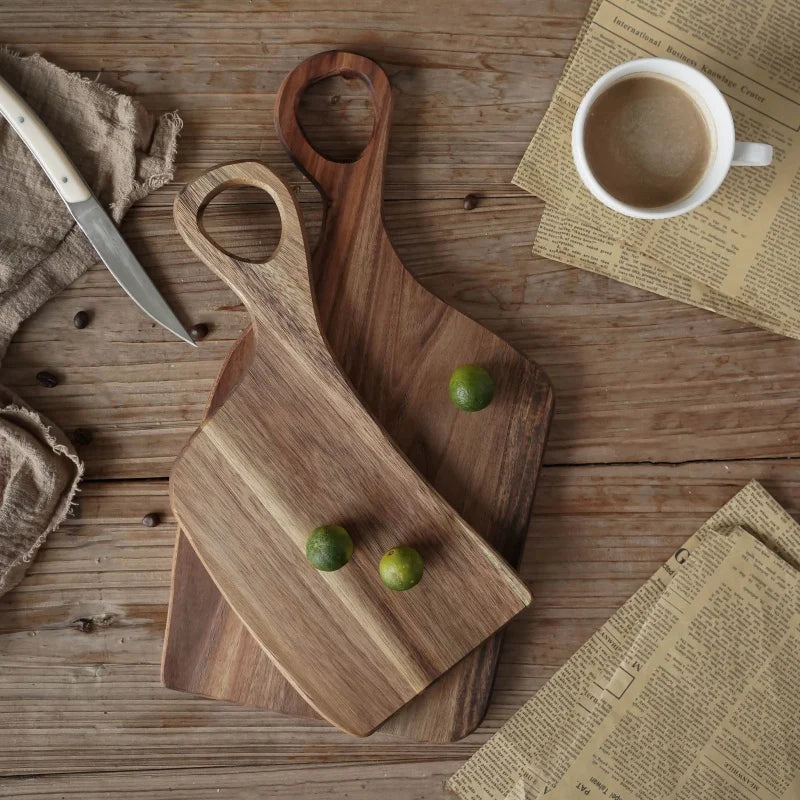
{"type": "Point", "coordinates": [398, 344]}
{"type": "Point", "coordinates": [292, 448]}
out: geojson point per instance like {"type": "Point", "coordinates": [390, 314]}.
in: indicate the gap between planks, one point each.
{"type": "Point", "coordinates": [545, 465]}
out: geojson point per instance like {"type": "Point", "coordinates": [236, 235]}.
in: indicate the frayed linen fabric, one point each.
{"type": "Point", "coordinates": [123, 153]}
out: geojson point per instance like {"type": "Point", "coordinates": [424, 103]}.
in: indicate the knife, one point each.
{"type": "Point", "coordinates": [87, 211]}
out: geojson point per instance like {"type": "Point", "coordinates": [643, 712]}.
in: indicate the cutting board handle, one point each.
{"type": "Point", "coordinates": [283, 279]}
{"type": "Point", "coordinates": [327, 175]}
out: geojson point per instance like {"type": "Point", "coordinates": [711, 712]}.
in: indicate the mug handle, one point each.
{"type": "Point", "coordinates": [751, 154]}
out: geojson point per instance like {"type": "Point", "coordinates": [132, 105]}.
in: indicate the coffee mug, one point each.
{"type": "Point", "coordinates": [726, 151]}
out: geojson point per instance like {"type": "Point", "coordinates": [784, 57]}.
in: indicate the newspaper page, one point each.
{"type": "Point", "coordinates": [741, 242]}
{"type": "Point", "coordinates": [705, 703]}
{"type": "Point", "coordinates": [532, 751]}
{"type": "Point", "coordinates": [574, 242]}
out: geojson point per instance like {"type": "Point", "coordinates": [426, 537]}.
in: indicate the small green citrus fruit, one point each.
{"type": "Point", "coordinates": [329, 548]}
{"type": "Point", "coordinates": [471, 387]}
{"type": "Point", "coordinates": [401, 568]}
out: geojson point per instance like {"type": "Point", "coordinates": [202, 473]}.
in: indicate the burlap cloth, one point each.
{"type": "Point", "coordinates": [123, 154]}
{"type": "Point", "coordinates": [39, 471]}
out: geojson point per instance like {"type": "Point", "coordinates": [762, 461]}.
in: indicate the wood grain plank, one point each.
{"type": "Point", "coordinates": [412, 780]}
{"type": "Point", "coordinates": [637, 377]}
{"type": "Point", "coordinates": [471, 83]}
{"type": "Point", "coordinates": [81, 637]}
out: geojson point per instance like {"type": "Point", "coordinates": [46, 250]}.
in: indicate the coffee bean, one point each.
{"type": "Point", "coordinates": [81, 320]}
{"type": "Point", "coordinates": [46, 379]}
{"type": "Point", "coordinates": [199, 331]}
{"type": "Point", "coordinates": [82, 436]}
{"type": "Point", "coordinates": [470, 202]}
{"type": "Point", "coordinates": [151, 520]}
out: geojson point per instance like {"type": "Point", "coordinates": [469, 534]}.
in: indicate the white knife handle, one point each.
{"type": "Point", "coordinates": [43, 145]}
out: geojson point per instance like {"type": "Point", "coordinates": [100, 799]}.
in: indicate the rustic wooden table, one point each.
{"type": "Point", "coordinates": [662, 411]}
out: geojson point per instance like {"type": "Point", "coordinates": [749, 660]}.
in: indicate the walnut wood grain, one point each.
{"type": "Point", "coordinates": [292, 448]}
{"type": "Point", "coordinates": [397, 343]}
{"type": "Point", "coordinates": [207, 649]}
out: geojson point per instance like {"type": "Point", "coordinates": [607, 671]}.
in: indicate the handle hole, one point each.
{"type": "Point", "coordinates": [337, 117]}
{"type": "Point", "coordinates": [244, 222]}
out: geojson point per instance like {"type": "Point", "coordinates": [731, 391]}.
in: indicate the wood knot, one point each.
{"type": "Point", "coordinates": [91, 624]}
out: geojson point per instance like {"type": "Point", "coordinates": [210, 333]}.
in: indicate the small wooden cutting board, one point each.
{"type": "Point", "coordinates": [292, 448]}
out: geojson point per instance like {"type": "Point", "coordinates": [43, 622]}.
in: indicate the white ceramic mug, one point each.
{"type": "Point", "coordinates": [726, 151]}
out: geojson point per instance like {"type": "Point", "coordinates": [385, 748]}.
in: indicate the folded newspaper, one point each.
{"type": "Point", "coordinates": [736, 254]}
{"type": "Point", "coordinates": [691, 691]}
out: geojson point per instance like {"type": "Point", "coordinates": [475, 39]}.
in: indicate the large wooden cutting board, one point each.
{"type": "Point", "coordinates": [398, 345]}
{"type": "Point", "coordinates": [291, 448]}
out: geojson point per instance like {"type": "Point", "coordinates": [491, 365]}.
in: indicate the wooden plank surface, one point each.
{"type": "Point", "coordinates": [477, 76]}
{"type": "Point", "coordinates": [409, 780]}
{"type": "Point", "coordinates": [636, 377]}
{"type": "Point", "coordinates": [81, 640]}
{"type": "Point", "coordinates": [662, 411]}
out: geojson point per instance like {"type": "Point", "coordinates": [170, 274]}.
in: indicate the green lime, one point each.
{"type": "Point", "coordinates": [329, 547]}
{"type": "Point", "coordinates": [471, 387]}
{"type": "Point", "coordinates": [401, 568]}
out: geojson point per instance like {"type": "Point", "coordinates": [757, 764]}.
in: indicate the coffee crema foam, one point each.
{"type": "Point", "coordinates": [647, 141]}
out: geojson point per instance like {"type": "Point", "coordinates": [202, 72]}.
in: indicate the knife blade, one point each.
{"type": "Point", "coordinates": [87, 211]}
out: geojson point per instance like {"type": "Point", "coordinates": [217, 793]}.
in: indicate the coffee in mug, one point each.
{"type": "Point", "coordinates": [654, 138]}
{"type": "Point", "coordinates": [647, 141]}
